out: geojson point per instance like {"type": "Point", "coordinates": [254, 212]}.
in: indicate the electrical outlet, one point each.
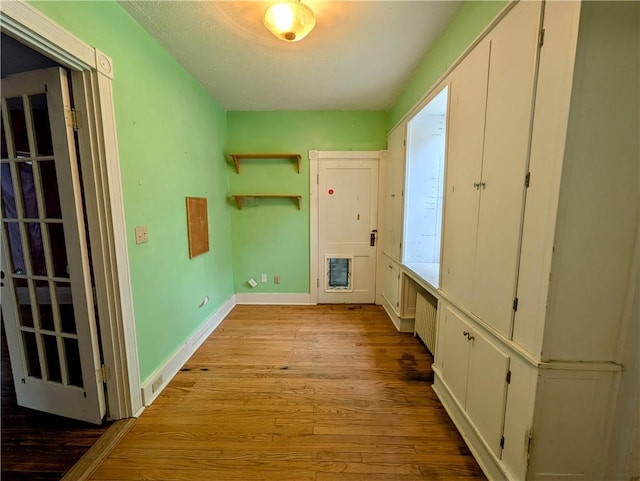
{"type": "Point", "coordinates": [141, 234]}
{"type": "Point", "coordinates": [263, 278]}
{"type": "Point", "coordinates": [276, 279]}
{"type": "Point", "coordinates": [156, 384]}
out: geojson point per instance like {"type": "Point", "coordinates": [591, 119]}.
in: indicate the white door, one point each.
{"type": "Point", "coordinates": [47, 298]}
{"type": "Point", "coordinates": [347, 230]}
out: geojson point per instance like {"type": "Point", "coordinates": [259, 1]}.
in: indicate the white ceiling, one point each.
{"type": "Point", "coordinates": [359, 57]}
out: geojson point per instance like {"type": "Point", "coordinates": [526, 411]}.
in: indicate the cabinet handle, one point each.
{"type": "Point", "coordinates": [466, 334]}
{"type": "Point", "coordinates": [479, 185]}
{"type": "Point", "coordinates": [476, 185]}
{"type": "Point", "coordinates": [471, 338]}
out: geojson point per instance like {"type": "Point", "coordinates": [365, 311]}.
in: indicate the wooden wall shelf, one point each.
{"type": "Point", "coordinates": [238, 198]}
{"type": "Point", "coordinates": [237, 157]}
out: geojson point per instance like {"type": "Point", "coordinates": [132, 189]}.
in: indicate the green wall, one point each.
{"type": "Point", "coordinates": [171, 136]}
{"type": "Point", "coordinates": [271, 236]}
{"type": "Point", "coordinates": [474, 17]}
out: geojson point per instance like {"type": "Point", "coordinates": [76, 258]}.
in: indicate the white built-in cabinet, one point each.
{"type": "Point", "coordinates": [476, 371]}
{"type": "Point", "coordinates": [540, 228]}
{"type": "Point", "coordinates": [393, 196]}
{"type": "Point", "coordinates": [398, 292]}
{"type": "Point", "coordinates": [390, 275]}
{"type": "Point", "coordinates": [492, 97]}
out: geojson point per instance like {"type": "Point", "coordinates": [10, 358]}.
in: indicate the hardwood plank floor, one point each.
{"type": "Point", "coordinates": [38, 446]}
{"type": "Point", "coordinates": [317, 393]}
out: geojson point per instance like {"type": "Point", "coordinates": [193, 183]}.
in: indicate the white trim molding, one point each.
{"type": "Point", "coordinates": [274, 298]}
{"type": "Point", "coordinates": [159, 379]}
{"type": "Point", "coordinates": [92, 72]}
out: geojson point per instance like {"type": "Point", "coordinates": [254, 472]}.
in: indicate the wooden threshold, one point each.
{"type": "Point", "coordinates": [93, 458]}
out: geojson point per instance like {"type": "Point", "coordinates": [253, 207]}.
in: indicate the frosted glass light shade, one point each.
{"type": "Point", "coordinates": [290, 20]}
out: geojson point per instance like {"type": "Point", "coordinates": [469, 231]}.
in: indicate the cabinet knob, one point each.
{"type": "Point", "coordinates": [465, 333]}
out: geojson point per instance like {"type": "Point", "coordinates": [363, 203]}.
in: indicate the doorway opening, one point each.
{"type": "Point", "coordinates": [108, 281]}
{"type": "Point", "coordinates": [36, 262]}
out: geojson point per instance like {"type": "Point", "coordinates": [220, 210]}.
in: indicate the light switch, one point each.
{"type": "Point", "coordinates": [141, 234]}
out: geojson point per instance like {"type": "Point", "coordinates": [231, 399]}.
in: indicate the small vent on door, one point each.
{"type": "Point", "coordinates": [339, 273]}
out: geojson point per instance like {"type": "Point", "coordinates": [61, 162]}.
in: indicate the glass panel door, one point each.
{"type": "Point", "coordinates": [46, 294]}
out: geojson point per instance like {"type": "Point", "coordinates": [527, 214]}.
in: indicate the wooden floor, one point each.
{"type": "Point", "coordinates": [299, 393]}
{"type": "Point", "coordinates": [38, 446]}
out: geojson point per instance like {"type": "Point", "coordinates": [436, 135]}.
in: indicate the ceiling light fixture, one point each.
{"type": "Point", "coordinates": [290, 20]}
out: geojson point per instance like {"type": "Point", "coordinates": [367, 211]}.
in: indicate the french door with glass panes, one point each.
{"type": "Point", "coordinates": [47, 297]}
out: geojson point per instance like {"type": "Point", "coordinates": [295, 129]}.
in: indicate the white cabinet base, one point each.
{"type": "Point", "coordinates": [402, 324]}
{"type": "Point", "coordinates": [480, 450]}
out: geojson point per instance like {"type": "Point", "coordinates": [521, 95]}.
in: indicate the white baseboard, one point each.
{"type": "Point", "coordinates": [161, 376]}
{"type": "Point", "coordinates": [274, 298]}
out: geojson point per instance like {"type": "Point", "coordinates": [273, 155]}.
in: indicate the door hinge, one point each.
{"type": "Point", "coordinates": [318, 282]}
{"type": "Point", "coordinates": [502, 442]}
{"type": "Point", "coordinates": [400, 245]}
{"type": "Point", "coordinates": [75, 116]}
{"type": "Point", "coordinates": [318, 179]}
{"type": "Point", "coordinates": [541, 38]}
{"type": "Point", "coordinates": [529, 440]}
{"type": "Point", "coordinates": [515, 304]}
{"type": "Point", "coordinates": [509, 376]}
{"type": "Point", "coordinates": [72, 119]}
{"type": "Point", "coordinates": [527, 179]}
{"type": "Point", "coordinates": [102, 373]}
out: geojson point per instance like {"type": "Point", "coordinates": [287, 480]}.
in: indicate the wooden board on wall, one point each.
{"type": "Point", "coordinates": [197, 226]}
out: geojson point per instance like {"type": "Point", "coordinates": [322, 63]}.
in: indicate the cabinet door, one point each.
{"type": "Point", "coordinates": [393, 194]}
{"type": "Point", "coordinates": [454, 353]}
{"type": "Point", "coordinates": [463, 164]}
{"type": "Point", "coordinates": [514, 46]}
{"type": "Point", "coordinates": [391, 283]}
{"type": "Point", "coordinates": [487, 389]}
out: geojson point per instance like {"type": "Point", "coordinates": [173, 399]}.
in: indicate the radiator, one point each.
{"type": "Point", "coordinates": [426, 314]}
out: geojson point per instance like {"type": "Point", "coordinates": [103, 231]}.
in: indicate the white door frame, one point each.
{"type": "Point", "coordinates": [92, 73]}
{"type": "Point", "coordinates": [314, 157]}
